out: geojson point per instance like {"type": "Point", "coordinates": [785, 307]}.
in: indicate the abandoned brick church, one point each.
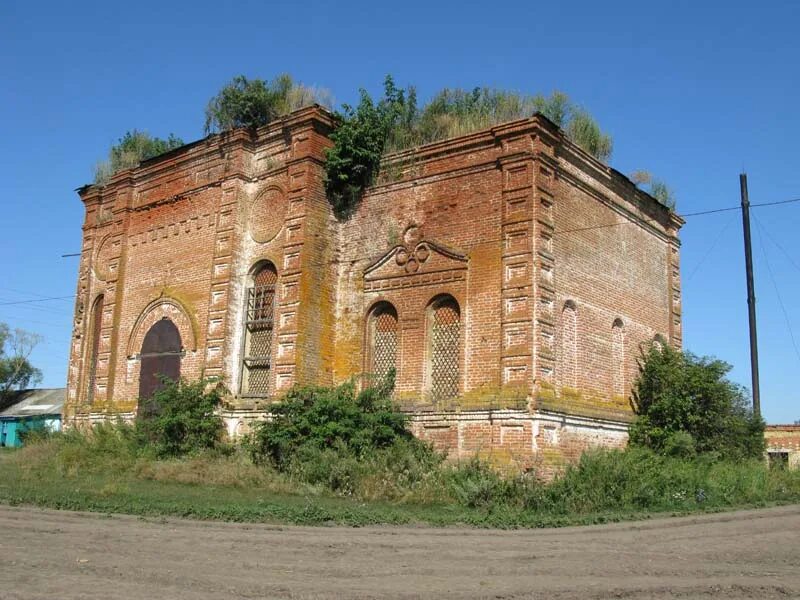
{"type": "Point", "coordinates": [509, 278]}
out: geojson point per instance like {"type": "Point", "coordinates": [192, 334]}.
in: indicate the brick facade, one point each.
{"type": "Point", "coordinates": [783, 445]}
{"type": "Point", "coordinates": [515, 277]}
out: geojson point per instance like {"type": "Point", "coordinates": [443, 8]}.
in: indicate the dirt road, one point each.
{"type": "Point", "coordinates": [65, 555]}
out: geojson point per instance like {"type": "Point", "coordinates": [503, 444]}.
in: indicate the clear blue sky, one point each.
{"type": "Point", "coordinates": [692, 91]}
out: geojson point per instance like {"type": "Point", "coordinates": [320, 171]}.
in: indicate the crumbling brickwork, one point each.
{"type": "Point", "coordinates": [783, 445]}
{"type": "Point", "coordinates": [509, 277]}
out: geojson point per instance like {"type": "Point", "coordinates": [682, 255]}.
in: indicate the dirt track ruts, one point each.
{"type": "Point", "coordinates": [65, 555]}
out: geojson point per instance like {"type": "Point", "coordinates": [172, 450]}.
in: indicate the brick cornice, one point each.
{"type": "Point", "coordinates": [210, 148]}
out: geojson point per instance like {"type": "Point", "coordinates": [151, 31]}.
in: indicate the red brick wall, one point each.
{"type": "Point", "coordinates": [510, 222]}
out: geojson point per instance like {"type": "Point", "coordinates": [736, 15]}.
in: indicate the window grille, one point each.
{"type": "Point", "coordinates": [259, 329]}
{"type": "Point", "coordinates": [444, 350]}
{"type": "Point", "coordinates": [383, 349]}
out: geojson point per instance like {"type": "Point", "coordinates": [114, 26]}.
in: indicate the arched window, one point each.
{"type": "Point", "coordinates": [618, 357]}
{"type": "Point", "coordinates": [382, 340]}
{"type": "Point", "coordinates": [160, 357]}
{"type": "Point", "coordinates": [259, 331]}
{"type": "Point", "coordinates": [569, 344]}
{"type": "Point", "coordinates": [94, 340]}
{"type": "Point", "coordinates": [444, 343]}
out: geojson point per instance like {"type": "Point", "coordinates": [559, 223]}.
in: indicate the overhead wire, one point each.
{"type": "Point", "coordinates": [710, 249]}
{"type": "Point", "coordinates": [783, 250]}
{"type": "Point", "coordinates": [683, 216]}
{"type": "Point", "coordinates": [555, 232]}
{"type": "Point", "coordinates": [762, 234]}
{"type": "Point", "coordinates": [36, 300]}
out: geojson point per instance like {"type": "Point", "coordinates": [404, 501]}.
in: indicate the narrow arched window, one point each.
{"type": "Point", "coordinates": [259, 331]}
{"type": "Point", "coordinates": [382, 340]}
{"type": "Point", "coordinates": [95, 324]}
{"type": "Point", "coordinates": [569, 344]}
{"type": "Point", "coordinates": [618, 357]}
{"type": "Point", "coordinates": [444, 342]}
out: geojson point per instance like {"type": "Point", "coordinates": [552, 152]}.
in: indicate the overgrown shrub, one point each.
{"type": "Point", "coordinates": [312, 419]}
{"type": "Point", "coordinates": [677, 392]}
{"type": "Point", "coordinates": [454, 112]}
{"type": "Point", "coordinates": [638, 479]}
{"type": "Point", "coordinates": [359, 142]}
{"type": "Point", "coordinates": [476, 484]}
{"type": "Point", "coordinates": [395, 122]}
{"type": "Point", "coordinates": [134, 147]}
{"type": "Point", "coordinates": [180, 418]}
{"type": "Point", "coordinates": [254, 102]}
{"type": "Point", "coordinates": [655, 187]}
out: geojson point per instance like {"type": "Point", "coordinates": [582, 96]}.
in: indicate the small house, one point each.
{"type": "Point", "coordinates": [28, 410]}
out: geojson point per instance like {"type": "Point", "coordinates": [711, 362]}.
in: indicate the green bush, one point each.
{"type": "Point", "coordinates": [655, 187]}
{"type": "Point", "coordinates": [254, 102]}
{"type": "Point", "coordinates": [311, 419]}
{"type": "Point", "coordinates": [181, 418]}
{"type": "Point", "coordinates": [679, 392]}
{"type": "Point", "coordinates": [475, 484]}
{"type": "Point", "coordinates": [365, 133]}
{"type": "Point", "coordinates": [133, 148]}
{"type": "Point", "coordinates": [359, 141]}
{"type": "Point", "coordinates": [455, 112]}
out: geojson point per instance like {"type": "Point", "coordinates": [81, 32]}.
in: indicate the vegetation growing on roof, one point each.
{"type": "Point", "coordinates": [255, 102]}
{"type": "Point", "coordinates": [366, 132]}
{"type": "Point", "coordinates": [360, 140]}
{"type": "Point", "coordinates": [134, 147]}
{"type": "Point", "coordinates": [655, 187]}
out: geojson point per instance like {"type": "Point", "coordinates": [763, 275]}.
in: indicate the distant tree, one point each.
{"type": "Point", "coordinates": [685, 404]}
{"type": "Point", "coordinates": [16, 371]}
{"type": "Point", "coordinates": [255, 102]}
{"type": "Point", "coordinates": [134, 147]}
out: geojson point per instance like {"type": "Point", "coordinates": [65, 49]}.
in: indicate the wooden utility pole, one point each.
{"type": "Point", "coordinates": [751, 295]}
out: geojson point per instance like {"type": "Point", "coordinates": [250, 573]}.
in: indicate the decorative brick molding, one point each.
{"type": "Point", "coordinates": [162, 308]}
{"type": "Point", "coordinates": [515, 223]}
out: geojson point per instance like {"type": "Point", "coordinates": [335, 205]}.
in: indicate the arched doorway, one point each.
{"type": "Point", "coordinates": [160, 357]}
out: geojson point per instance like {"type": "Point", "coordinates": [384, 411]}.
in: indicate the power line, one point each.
{"type": "Point", "coordinates": [555, 232]}
{"type": "Point", "coordinates": [782, 249]}
{"type": "Point", "coordinates": [776, 203]}
{"type": "Point", "coordinates": [683, 216]}
{"type": "Point", "coordinates": [710, 250]}
{"type": "Point", "coordinates": [13, 291]}
{"type": "Point", "coordinates": [60, 310]}
{"type": "Point", "coordinates": [36, 300]}
{"type": "Point", "coordinates": [66, 324]}
{"type": "Point", "coordinates": [761, 236]}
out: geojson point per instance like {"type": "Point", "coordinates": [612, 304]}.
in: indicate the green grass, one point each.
{"type": "Point", "coordinates": [107, 473]}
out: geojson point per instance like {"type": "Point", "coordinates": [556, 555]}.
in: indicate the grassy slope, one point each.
{"type": "Point", "coordinates": [114, 490]}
